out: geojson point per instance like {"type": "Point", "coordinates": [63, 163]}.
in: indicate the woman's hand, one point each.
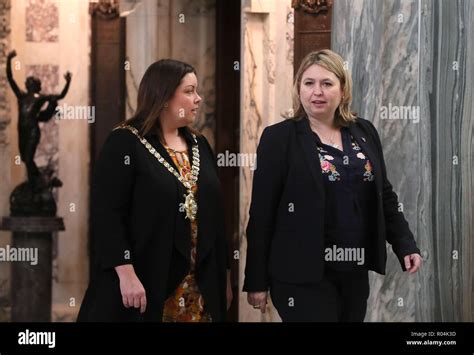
{"type": "Point", "coordinates": [258, 300]}
{"type": "Point", "coordinates": [413, 262]}
{"type": "Point", "coordinates": [229, 291]}
{"type": "Point", "coordinates": [133, 292]}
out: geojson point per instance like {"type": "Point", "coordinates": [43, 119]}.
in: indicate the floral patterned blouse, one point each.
{"type": "Point", "coordinates": [350, 197]}
{"type": "Point", "coordinates": [186, 303]}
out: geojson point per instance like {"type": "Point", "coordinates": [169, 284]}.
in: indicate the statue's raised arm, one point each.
{"type": "Point", "coordinates": [10, 78]}
{"type": "Point", "coordinates": [63, 93]}
{"type": "Point", "coordinates": [46, 114]}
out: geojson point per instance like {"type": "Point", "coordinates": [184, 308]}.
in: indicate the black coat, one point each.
{"type": "Point", "coordinates": [136, 218]}
{"type": "Point", "coordinates": [288, 245]}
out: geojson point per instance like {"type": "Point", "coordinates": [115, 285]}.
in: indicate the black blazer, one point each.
{"type": "Point", "coordinates": [136, 218]}
{"type": "Point", "coordinates": [289, 245]}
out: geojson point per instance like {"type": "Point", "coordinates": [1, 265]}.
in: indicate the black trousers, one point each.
{"type": "Point", "coordinates": [341, 296]}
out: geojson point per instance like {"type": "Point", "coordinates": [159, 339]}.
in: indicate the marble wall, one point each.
{"type": "Point", "coordinates": [52, 37]}
{"type": "Point", "coordinates": [177, 29]}
{"type": "Point", "coordinates": [412, 66]}
{"type": "Point", "coordinates": [266, 81]}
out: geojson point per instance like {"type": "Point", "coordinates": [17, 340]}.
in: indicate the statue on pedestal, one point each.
{"type": "Point", "coordinates": [33, 197]}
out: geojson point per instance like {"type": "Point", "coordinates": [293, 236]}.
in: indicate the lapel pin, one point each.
{"type": "Point", "coordinates": [363, 139]}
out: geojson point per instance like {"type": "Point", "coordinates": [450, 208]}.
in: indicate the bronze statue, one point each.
{"type": "Point", "coordinates": [30, 114]}
{"type": "Point", "coordinates": [33, 197]}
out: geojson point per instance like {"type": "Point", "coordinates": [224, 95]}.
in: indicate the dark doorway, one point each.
{"type": "Point", "coordinates": [312, 28]}
{"type": "Point", "coordinates": [107, 83]}
{"type": "Point", "coordinates": [228, 124]}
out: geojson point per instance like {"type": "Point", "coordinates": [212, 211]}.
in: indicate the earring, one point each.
{"type": "Point", "coordinates": [165, 105]}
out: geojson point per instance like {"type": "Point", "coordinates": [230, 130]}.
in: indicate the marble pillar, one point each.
{"type": "Point", "coordinates": [412, 68]}
{"type": "Point", "coordinates": [52, 37]}
{"type": "Point", "coordinates": [447, 99]}
{"type": "Point", "coordinates": [5, 158]}
{"type": "Point", "coordinates": [266, 82]}
{"type": "Point", "coordinates": [177, 29]}
{"type": "Point", "coordinates": [72, 257]}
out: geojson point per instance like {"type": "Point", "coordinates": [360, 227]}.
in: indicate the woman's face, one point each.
{"type": "Point", "coordinates": [185, 102]}
{"type": "Point", "coordinates": [320, 92]}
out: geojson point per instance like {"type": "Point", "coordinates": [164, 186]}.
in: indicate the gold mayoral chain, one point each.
{"type": "Point", "coordinates": [190, 204]}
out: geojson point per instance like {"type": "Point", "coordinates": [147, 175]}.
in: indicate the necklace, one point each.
{"type": "Point", "coordinates": [190, 204]}
{"type": "Point", "coordinates": [331, 141]}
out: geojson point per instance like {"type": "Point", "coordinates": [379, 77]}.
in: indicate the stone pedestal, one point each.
{"type": "Point", "coordinates": [31, 266]}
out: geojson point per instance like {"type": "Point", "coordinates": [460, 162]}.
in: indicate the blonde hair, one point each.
{"type": "Point", "coordinates": [333, 62]}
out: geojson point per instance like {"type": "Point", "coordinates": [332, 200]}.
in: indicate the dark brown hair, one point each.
{"type": "Point", "coordinates": [157, 87]}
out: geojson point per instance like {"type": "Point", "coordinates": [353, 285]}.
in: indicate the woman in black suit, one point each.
{"type": "Point", "coordinates": [322, 207]}
{"type": "Point", "coordinates": [156, 212]}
